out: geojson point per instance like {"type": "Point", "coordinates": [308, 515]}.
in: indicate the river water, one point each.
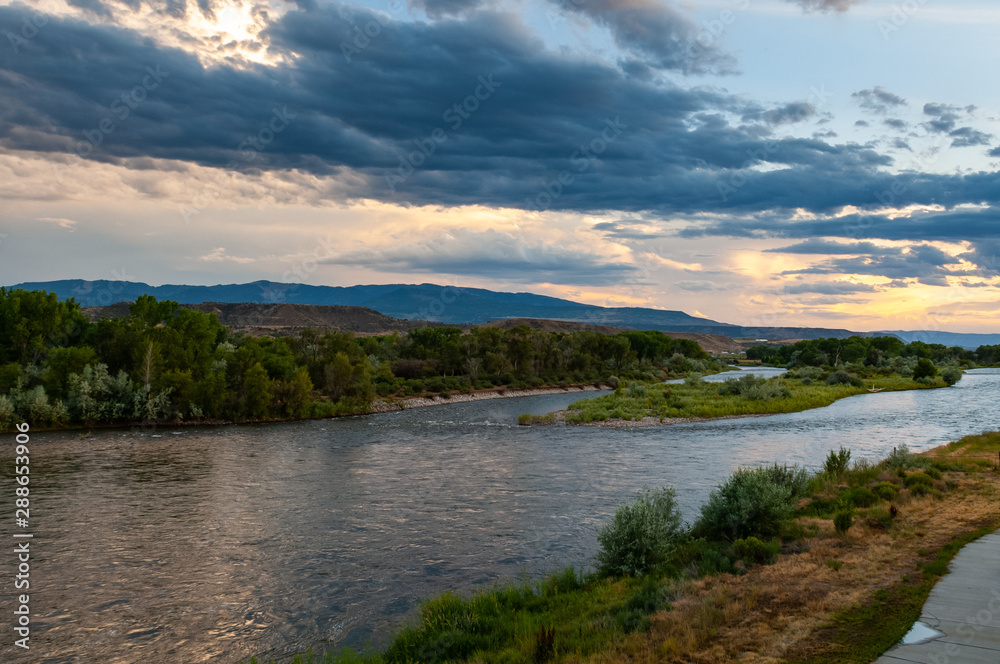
{"type": "Point", "coordinates": [213, 544]}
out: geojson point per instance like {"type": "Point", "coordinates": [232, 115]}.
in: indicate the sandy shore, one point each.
{"type": "Point", "coordinates": [423, 402]}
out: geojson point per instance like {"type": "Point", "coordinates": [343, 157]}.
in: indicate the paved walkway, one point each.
{"type": "Point", "coordinates": [965, 607]}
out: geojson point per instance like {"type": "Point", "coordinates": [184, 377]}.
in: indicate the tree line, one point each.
{"type": "Point", "coordinates": [164, 362]}
{"type": "Point", "coordinates": [871, 352]}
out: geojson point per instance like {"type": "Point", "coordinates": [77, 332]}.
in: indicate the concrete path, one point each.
{"type": "Point", "coordinates": [964, 607]}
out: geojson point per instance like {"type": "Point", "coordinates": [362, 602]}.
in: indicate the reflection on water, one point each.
{"type": "Point", "coordinates": [217, 543]}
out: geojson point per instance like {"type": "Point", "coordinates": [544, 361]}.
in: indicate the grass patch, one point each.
{"type": "Point", "coordinates": [730, 399]}
{"type": "Point", "coordinates": [862, 633]}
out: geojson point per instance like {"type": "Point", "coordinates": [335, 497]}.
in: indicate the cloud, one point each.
{"type": "Point", "coordinates": [829, 288]}
{"type": "Point", "coordinates": [968, 137]}
{"type": "Point", "coordinates": [440, 8]}
{"type": "Point", "coordinates": [877, 100]}
{"type": "Point", "coordinates": [924, 263]}
{"type": "Point", "coordinates": [826, 247]}
{"type": "Point", "coordinates": [655, 31]}
{"type": "Point", "coordinates": [826, 5]}
{"type": "Point", "coordinates": [68, 224]}
{"type": "Point", "coordinates": [698, 286]}
{"type": "Point", "coordinates": [788, 114]}
{"type": "Point", "coordinates": [492, 254]}
{"type": "Point", "coordinates": [895, 123]}
{"type": "Point", "coordinates": [944, 117]}
{"type": "Point", "coordinates": [218, 255]}
{"type": "Point", "coordinates": [623, 230]}
{"type": "Point", "coordinates": [538, 137]}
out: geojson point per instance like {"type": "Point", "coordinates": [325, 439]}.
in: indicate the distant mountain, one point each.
{"type": "Point", "coordinates": [449, 304]}
{"type": "Point", "coordinates": [946, 338]}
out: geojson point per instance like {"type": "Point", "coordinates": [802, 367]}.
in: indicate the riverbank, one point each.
{"type": "Point", "coordinates": [662, 405]}
{"type": "Point", "coordinates": [382, 406]}
{"type": "Point", "coordinates": [377, 406]}
{"type": "Point", "coordinates": [828, 596]}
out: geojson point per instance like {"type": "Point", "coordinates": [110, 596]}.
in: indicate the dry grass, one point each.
{"type": "Point", "coordinates": [785, 612]}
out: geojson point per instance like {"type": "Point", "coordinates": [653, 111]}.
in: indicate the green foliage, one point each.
{"type": "Point", "coordinates": [861, 496]}
{"type": "Point", "coordinates": [641, 535]}
{"type": "Point", "coordinates": [925, 369]}
{"type": "Point", "coordinates": [755, 388]}
{"type": "Point", "coordinates": [918, 479]}
{"type": "Point", "coordinates": [886, 490]}
{"type": "Point", "coordinates": [902, 459]}
{"type": "Point", "coordinates": [755, 552]}
{"type": "Point", "coordinates": [750, 503]}
{"type": "Point", "coordinates": [836, 463]}
{"type": "Point", "coordinates": [650, 597]}
{"type": "Point", "coordinates": [843, 520]}
{"type": "Point", "coordinates": [951, 375]}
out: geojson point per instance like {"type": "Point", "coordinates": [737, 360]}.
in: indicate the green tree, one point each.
{"type": "Point", "coordinates": [257, 392]}
{"type": "Point", "coordinates": [925, 369]}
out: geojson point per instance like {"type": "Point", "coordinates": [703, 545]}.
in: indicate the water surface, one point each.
{"type": "Point", "coordinates": [214, 544]}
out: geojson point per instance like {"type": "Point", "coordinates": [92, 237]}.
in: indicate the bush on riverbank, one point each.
{"type": "Point", "coordinates": [641, 535]}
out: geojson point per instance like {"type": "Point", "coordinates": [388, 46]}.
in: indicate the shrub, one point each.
{"type": "Point", "coordinates": [886, 490]}
{"type": "Point", "coordinates": [918, 479]}
{"type": "Point", "coordinates": [635, 390]}
{"type": "Point", "coordinates": [839, 377]}
{"type": "Point", "coordinates": [933, 472]}
{"type": "Point", "coordinates": [901, 459]}
{"type": "Point", "coordinates": [861, 496]}
{"type": "Point", "coordinates": [924, 369]}
{"type": "Point", "coordinates": [749, 503]}
{"type": "Point", "coordinates": [650, 597]}
{"type": "Point", "coordinates": [752, 550]}
{"type": "Point", "coordinates": [837, 462]}
{"type": "Point", "coordinates": [793, 477]}
{"type": "Point", "coordinates": [843, 520]}
{"type": "Point", "coordinates": [641, 535]}
{"type": "Point", "coordinates": [879, 517]}
{"type": "Point", "coordinates": [951, 375]}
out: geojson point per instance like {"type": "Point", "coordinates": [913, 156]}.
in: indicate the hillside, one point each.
{"type": "Point", "coordinates": [284, 318]}
{"type": "Point", "coordinates": [459, 306]}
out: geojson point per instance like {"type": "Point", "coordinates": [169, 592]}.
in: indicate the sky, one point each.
{"type": "Point", "coordinates": [826, 163]}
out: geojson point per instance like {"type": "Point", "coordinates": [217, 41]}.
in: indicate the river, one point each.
{"type": "Point", "coordinates": [212, 544]}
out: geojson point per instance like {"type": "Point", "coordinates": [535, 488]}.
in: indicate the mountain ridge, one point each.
{"type": "Point", "coordinates": [459, 305]}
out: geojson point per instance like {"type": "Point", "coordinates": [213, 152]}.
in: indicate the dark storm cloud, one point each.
{"type": "Point", "coordinates": [439, 8]}
{"type": "Point", "coordinates": [877, 100]}
{"type": "Point", "coordinates": [661, 34]}
{"type": "Point", "coordinates": [534, 128]}
{"type": "Point", "coordinates": [490, 254]}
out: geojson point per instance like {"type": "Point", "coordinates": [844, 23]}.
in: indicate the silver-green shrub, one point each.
{"type": "Point", "coordinates": [752, 502]}
{"type": "Point", "coordinates": [641, 535]}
